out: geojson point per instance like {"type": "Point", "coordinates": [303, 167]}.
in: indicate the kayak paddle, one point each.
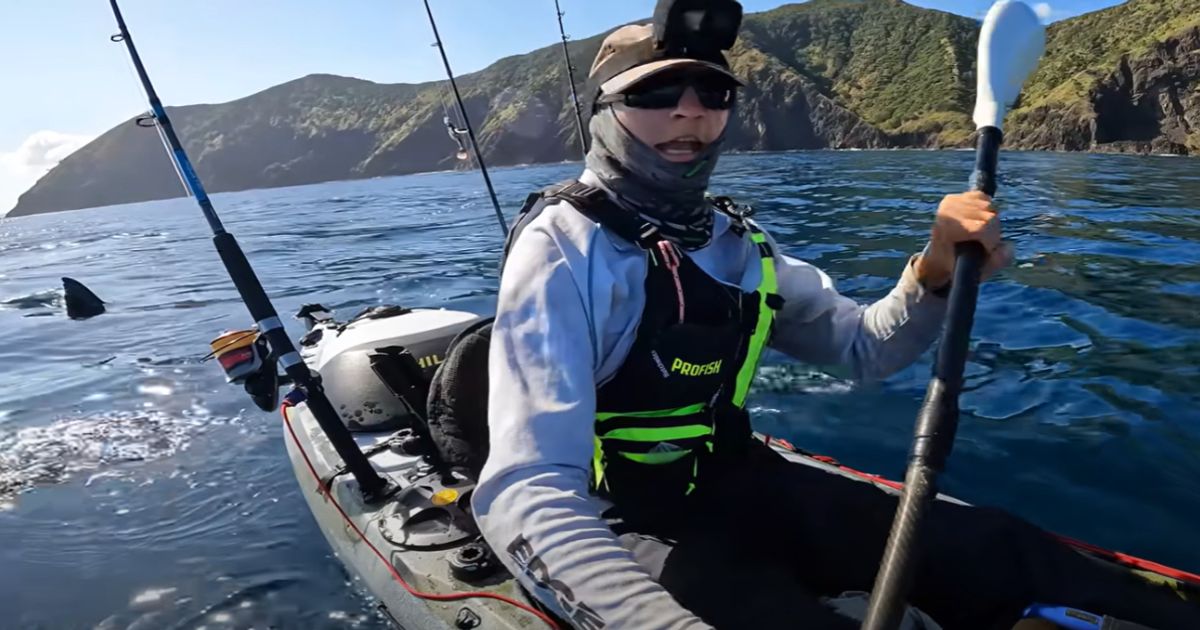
{"type": "Point", "coordinates": [1010, 43]}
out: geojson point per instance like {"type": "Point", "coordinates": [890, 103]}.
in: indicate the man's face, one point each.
{"type": "Point", "coordinates": [678, 132]}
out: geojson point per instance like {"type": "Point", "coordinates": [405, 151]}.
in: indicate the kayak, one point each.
{"type": "Point", "coordinates": [418, 550]}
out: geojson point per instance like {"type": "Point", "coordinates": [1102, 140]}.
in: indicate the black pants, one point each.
{"type": "Point", "coordinates": [763, 540]}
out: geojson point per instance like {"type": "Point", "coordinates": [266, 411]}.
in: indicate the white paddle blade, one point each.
{"type": "Point", "coordinates": [1010, 44]}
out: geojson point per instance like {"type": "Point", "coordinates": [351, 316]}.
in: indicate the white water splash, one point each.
{"type": "Point", "coordinates": [798, 379]}
{"type": "Point", "coordinates": [101, 475]}
{"type": "Point", "coordinates": [151, 596]}
{"type": "Point", "coordinates": [49, 299]}
{"type": "Point", "coordinates": [156, 389]}
{"type": "Point", "coordinates": [55, 452]}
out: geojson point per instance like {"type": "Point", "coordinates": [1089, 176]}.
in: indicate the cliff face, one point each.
{"type": "Point", "coordinates": [1126, 79]}
{"type": "Point", "coordinates": [1153, 101]}
{"type": "Point", "coordinates": [1149, 103]}
{"type": "Point", "coordinates": [823, 74]}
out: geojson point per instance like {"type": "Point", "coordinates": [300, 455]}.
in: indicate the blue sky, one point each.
{"type": "Point", "coordinates": [65, 83]}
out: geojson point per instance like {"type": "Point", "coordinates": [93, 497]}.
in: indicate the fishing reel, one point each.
{"type": "Point", "coordinates": [249, 362]}
{"type": "Point", "coordinates": [696, 29]}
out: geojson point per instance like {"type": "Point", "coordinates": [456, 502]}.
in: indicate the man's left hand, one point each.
{"type": "Point", "coordinates": [962, 218]}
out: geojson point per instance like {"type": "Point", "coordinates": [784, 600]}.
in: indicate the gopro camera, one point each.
{"type": "Point", "coordinates": [699, 29]}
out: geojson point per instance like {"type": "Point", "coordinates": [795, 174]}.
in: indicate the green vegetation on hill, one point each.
{"type": "Point", "coordinates": [886, 60]}
{"type": "Point", "coordinates": [1123, 79]}
{"type": "Point", "coordinates": [1085, 50]}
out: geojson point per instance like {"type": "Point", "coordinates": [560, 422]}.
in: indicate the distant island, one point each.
{"type": "Point", "coordinates": [823, 74]}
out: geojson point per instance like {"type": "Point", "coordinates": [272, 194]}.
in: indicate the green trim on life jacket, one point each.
{"type": "Point", "coordinates": [656, 458]}
{"type": "Point", "coordinates": [658, 434]}
{"type": "Point", "coordinates": [768, 285]}
{"type": "Point", "coordinates": [658, 413]}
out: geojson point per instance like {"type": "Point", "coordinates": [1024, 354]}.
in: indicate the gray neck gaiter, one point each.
{"type": "Point", "coordinates": [668, 195]}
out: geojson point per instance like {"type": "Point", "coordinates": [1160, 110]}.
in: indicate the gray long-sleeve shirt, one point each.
{"type": "Point", "coordinates": [571, 297]}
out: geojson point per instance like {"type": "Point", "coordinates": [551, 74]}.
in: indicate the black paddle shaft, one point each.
{"type": "Point", "coordinates": [937, 421]}
{"type": "Point", "coordinates": [254, 296]}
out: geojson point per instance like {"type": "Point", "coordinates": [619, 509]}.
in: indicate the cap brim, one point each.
{"type": "Point", "coordinates": [627, 79]}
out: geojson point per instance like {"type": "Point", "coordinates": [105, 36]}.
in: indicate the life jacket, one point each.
{"type": "Point", "coordinates": [677, 402]}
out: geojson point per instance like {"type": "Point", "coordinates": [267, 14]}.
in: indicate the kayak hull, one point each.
{"type": "Point", "coordinates": [354, 531]}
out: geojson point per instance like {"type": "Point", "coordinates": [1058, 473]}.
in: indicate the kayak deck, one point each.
{"type": "Point", "coordinates": [416, 587]}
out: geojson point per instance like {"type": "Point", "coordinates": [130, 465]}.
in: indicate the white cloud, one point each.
{"type": "Point", "coordinates": [42, 150]}
{"type": "Point", "coordinates": [1043, 10]}
{"type": "Point", "coordinates": [39, 153]}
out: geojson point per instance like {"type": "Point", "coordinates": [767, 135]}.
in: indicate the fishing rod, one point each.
{"type": "Point", "coordinates": [571, 81]}
{"type": "Point", "coordinates": [462, 110]}
{"type": "Point", "coordinates": [373, 487]}
{"type": "Point", "coordinates": [1010, 43]}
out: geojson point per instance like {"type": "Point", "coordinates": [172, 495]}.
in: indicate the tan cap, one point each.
{"type": "Point", "coordinates": [628, 56]}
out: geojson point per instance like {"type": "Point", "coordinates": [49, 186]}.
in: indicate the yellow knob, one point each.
{"type": "Point", "coordinates": [445, 497]}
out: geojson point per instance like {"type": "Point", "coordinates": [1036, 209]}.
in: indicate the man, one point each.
{"type": "Point", "coordinates": [622, 486]}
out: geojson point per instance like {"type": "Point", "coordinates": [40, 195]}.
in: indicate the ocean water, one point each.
{"type": "Point", "coordinates": [138, 490]}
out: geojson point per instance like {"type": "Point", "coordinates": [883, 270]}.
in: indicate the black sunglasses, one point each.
{"type": "Point", "coordinates": [714, 92]}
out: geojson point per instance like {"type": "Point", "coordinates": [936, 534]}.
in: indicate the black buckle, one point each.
{"type": "Point", "coordinates": [580, 190]}
{"type": "Point", "coordinates": [732, 208]}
